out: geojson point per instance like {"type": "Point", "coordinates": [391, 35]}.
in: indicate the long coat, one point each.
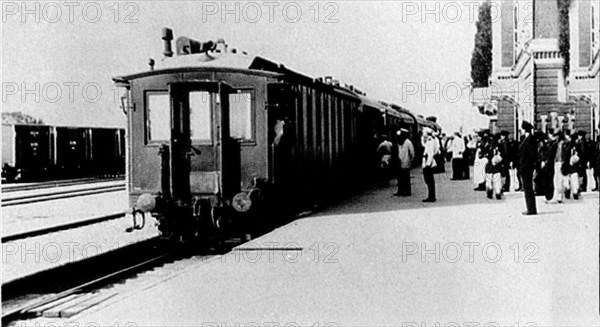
{"type": "Point", "coordinates": [528, 154]}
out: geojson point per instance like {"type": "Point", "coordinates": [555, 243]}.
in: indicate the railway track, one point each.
{"type": "Point", "coordinates": [61, 227]}
{"type": "Point", "coordinates": [33, 198]}
{"type": "Point", "coordinates": [7, 188]}
{"type": "Point", "coordinates": [82, 285]}
{"type": "Point", "coordinates": [35, 295]}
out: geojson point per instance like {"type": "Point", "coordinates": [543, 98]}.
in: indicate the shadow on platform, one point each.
{"type": "Point", "coordinates": [450, 193]}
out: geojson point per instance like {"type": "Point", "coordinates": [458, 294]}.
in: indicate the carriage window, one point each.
{"type": "Point", "coordinates": [200, 116]}
{"type": "Point", "coordinates": [240, 116]}
{"type": "Point", "coordinates": [159, 117]}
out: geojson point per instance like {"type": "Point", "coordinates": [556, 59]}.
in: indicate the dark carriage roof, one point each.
{"type": "Point", "coordinates": [225, 60]}
{"type": "Point", "coordinates": [390, 108]}
{"type": "Point", "coordinates": [239, 62]}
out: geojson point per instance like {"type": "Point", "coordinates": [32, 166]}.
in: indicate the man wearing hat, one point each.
{"type": "Point", "coordinates": [406, 155]}
{"type": "Point", "coordinates": [429, 165]}
{"type": "Point", "coordinates": [527, 162]}
{"type": "Point", "coordinates": [458, 149]}
{"type": "Point", "coordinates": [582, 149]}
{"type": "Point", "coordinates": [504, 148]}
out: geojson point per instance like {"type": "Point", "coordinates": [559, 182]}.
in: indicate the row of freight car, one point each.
{"type": "Point", "coordinates": [38, 152]}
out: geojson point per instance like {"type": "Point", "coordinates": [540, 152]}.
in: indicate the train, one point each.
{"type": "Point", "coordinates": [34, 153]}
{"type": "Point", "coordinates": [219, 140]}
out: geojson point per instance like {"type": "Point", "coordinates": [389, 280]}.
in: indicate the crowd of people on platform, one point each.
{"type": "Point", "coordinates": [553, 164]}
{"type": "Point", "coordinates": [558, 163]}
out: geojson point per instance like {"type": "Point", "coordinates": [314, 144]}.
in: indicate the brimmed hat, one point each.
{"type": "Point", "coordinates": [526, 126]}
{"type": "Point", "coordinates": [504, 133]}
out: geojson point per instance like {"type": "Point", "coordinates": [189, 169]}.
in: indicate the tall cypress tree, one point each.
{"type": "Point", "coordinates": [481, 60]}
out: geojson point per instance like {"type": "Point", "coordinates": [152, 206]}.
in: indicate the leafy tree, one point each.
{"type": "Point", "coordinates": [18, 117]}
{"type": "Point", "coordinates": [481, 60]}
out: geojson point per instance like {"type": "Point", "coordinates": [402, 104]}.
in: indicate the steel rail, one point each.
{"type": "Point", "coordinates": [62, 227]}
{"type": "Point", "coordinates": [7, 188]}
{"type": "Point", "coordinates": [27, 199]}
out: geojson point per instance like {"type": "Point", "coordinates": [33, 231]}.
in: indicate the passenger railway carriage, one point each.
{"type": "Point", "coordinates": [217, 136]}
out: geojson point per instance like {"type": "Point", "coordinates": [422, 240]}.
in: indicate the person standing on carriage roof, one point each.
{"type": "Point", "coordinates": [404, 158]}
{"type": "Point", "coordinates": [527, 161]}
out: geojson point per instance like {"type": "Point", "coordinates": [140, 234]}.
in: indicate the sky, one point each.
{"type": "Point", "coordinates": [58, 58]}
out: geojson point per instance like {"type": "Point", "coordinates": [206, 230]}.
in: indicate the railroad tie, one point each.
{"type": "Point", "coordinates": [71, 305]}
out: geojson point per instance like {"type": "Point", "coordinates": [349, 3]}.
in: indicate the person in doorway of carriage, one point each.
{"type": "Point", "coordinates": [527, 161]}
{"type": "Point", "coordinates": [559, 158]}
{"type": "Point", "coordinates": [429, 165]}
{"type": "Point", "coordinates": [404, 154]}
{"type": "Point", "coordinates": [457, 147]}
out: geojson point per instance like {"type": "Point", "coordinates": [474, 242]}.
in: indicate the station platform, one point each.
{"type": "Point", "coordinates": [379, 260]}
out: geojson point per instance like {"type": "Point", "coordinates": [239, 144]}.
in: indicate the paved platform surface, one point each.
{"type": "Point", "coordinates": [377, 260]}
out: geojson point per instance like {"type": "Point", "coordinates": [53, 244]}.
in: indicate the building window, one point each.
{"type": "Point", "coordinates": [158, 117]}
{"type": "Point", "coordinates": [241, 116]}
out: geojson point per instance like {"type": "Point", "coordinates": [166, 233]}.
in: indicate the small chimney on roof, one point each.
{"type": "Point", "coordinates": [167, 36]}
{"type": "Point", "coordinates": [151, 63]}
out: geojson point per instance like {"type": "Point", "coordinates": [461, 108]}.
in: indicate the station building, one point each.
{"type": "Point", "coordinates": [529, 80]}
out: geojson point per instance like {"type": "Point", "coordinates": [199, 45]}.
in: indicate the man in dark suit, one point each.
{"type": "Point", "coordinates": [527, 162]}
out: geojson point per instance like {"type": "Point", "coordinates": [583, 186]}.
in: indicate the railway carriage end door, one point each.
{"type": "Point", "coordinates": [228, 149]}
{"type": "Point", "coordinates": [203, 158]}
{"type": "Point", "coordinates": [180, 143]}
